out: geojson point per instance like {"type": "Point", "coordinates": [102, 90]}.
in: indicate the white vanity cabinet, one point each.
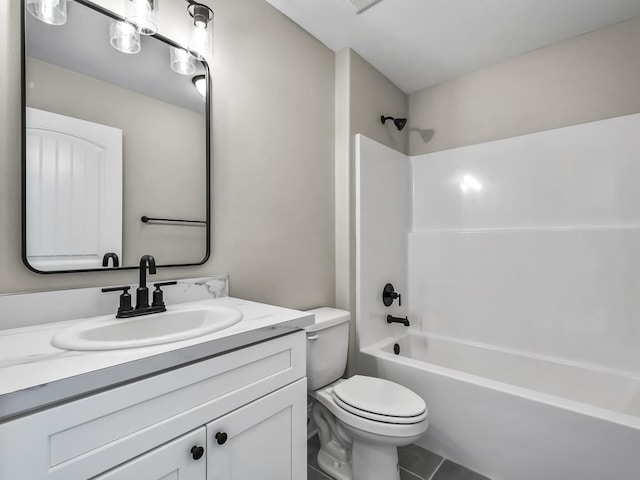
{"type": "Point", "coordinates": [146, 430]}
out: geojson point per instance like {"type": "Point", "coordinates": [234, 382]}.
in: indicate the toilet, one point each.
{"type": "Point", "coordinates": [361, 420]}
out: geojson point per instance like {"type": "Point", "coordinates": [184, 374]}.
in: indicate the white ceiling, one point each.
{"type": "Point", "coordinates": [418, 43]}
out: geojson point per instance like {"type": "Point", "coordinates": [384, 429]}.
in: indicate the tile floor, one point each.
{"type": "Point", "coordinates": [416, 463]}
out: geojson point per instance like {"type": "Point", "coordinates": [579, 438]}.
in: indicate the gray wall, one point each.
{"type": "Point", "coordinates": [372, 95]}
{"type": "Point", "coordinates": [363, 94]}
{"type": "Point", "coordinates": [587, 78]}
{"type": "Point", "coordinates": [273, 171]}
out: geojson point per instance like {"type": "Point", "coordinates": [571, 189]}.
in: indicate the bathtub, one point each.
{"type": "Point", "coordinates": [517, 416]}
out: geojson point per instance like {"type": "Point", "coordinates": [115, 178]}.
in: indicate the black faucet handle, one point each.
{"type": "Point", "coordinates": [123, 289]}
{"type": "Point", "coordinates": [389, 295]}
{"type": "Point", "coordinates": [158, 300]}
{"type": "Point", "coordinates": [125, 299]}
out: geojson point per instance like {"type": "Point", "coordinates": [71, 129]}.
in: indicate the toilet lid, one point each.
{"type": "Point", "coordinates": [376, 397]}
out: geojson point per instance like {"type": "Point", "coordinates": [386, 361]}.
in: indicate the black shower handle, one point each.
{"type": "Point", "coordinates": [389, 295]}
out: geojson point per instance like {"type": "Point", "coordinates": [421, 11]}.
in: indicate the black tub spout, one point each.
{"type": "Point", "coordinates": [404, 321]}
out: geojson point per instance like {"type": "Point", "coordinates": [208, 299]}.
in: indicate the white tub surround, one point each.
{"type": "Point", "coordinates": [34, 374]}
{"type": "Point", "coordinates": [532, 243]}
{"type": "Point", "coordinates": [383, 219]}
{"type": "Point", "coordinates": [522, 252]}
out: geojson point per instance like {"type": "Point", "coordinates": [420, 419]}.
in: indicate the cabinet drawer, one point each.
{"type": "Point", "coordinates": [80, 439]}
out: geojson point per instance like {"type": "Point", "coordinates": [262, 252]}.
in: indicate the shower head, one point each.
{"type": "Point", "coordinates": [398, 122]}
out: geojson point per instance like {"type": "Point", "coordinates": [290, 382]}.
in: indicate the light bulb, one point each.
{"type": "Point", "coordinates": [199, 43]}
{"type": "Point", "coordinates": [200, 82]}
{"type": "Point", "coordinates": [144, 15]}
{"type": "Point", "coordinates": [182, 62]}
{"type": "Point", "coordinates": [53, 12]}
{"type": "Point", "coordinates": [124, 37]}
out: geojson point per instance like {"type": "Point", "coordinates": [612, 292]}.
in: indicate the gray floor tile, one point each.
{"type": "Point", "coordinates": [313, 445]}
{"type": "Point", "coordinates": [453, 471]}
{"type": "Point", "coordinates": [313, 474]}
{"type": "Point", "coordinates": [416, 463]}
{"type": "Point", "coordinates": [419, 461]}
{"type": "Point", "coordinates": [405, 475]}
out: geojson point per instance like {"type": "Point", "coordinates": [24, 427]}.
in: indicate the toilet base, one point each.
{"type": "Point", "coordinates": [368, 461]}
{"type": "Point", "coordinates": [350, 454]}
{"type": "Point", "coordinates": [337, 469]}
{"type": "Point", "coordinates": [374, 460]}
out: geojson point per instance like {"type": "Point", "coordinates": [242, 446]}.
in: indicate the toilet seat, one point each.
{"type": "Point", "coordinates": [376, 417]}
{"type": "Point", "coordinates": [379, 400]}
{"type": "Point", "coordinates": [358, 420]}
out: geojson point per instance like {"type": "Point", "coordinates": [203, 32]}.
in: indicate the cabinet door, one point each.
{"type": "Point", "coordinates": [171, 461]}
{"type": "Point", "coordinates": [264, 440]}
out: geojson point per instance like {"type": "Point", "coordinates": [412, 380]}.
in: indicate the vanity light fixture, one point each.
{"type": "Point", "coordinates": [143, 14]}
{"type": "Point", "coordinates": [200, 39]}
{"type": "Point", "coordinates": [182, 62]}
{"type": "Point", "coordinates": [53, 12]}
{"type": "Point", "coordinates": [200, 82]}
{"type": "Point", "coordinates": [124, 37]}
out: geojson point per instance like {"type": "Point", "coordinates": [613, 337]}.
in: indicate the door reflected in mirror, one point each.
{"type": "Point", "coordinates": [111, 137]}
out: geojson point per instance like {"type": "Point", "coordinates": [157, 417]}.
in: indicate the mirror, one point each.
{"type": "Point", "coordinates": [110, 139]}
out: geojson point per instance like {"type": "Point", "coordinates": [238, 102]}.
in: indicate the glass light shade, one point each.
{"type": "Point", "coordinates": [53, 12]}
{"type": "Point", "coordinates": [200, 42]}
{"type": "Point", "coordinates": [124, 37]}
{"type": "Point", "coordinates": [144, 15]}
{"type": "Point", "coordinates": [200, 82]}
{"type": "Point", "coordinates": [182, 62]}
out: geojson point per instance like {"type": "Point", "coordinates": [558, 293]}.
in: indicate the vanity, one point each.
{"type": "Point", "coordinates": [227, 405]}
{"type": "Point", "coordinates": [91, 397]}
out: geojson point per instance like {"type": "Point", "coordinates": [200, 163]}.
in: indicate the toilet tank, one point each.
{"type": "Point", "coordinates": [327, 346]}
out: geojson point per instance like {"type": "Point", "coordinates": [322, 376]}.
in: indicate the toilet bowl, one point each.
{"type": "Point", "coordinates": [361, 420]}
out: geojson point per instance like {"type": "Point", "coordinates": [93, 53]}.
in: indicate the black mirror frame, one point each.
{"type": "Point", "coordinates": [171, 43]}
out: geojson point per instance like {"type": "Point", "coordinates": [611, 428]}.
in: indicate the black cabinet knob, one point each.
{"type": "Point", "coordinates": [197, 452]}
{"type": "Point", "coordinates": [221, 437]}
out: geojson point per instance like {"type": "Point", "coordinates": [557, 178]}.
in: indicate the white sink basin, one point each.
{"type": "Point", "coordinates": [177, 323]}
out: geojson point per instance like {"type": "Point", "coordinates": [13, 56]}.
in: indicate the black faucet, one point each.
{"type": "Point", "coordinates": [112, 256]}
{"type": "Point", "coordinates": [142, 292]}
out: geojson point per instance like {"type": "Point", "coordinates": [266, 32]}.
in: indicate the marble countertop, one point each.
{"type": "Point", "coordinates": [34, 374]}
